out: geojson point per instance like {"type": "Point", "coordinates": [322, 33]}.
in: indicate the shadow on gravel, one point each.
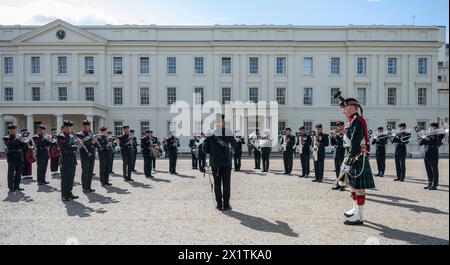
{"type": "Point", "coordinates": [408, 237]}
{"type": "Point", "coordinates": [18, 197]}
{"type": "Point", "coordinates": [46, 189]}
{"type": "Point", "coordinates": [113, 189]}
{"type": "Point", "coordinates": [98, 198]}
{"type": "Point", "coordinates": [411, 207]}
{"type": "Point", "coordinates": [75, 208]}
{"type": "Point", "coordinates": [159, 180]}
{"type": "Point", "coordinates": [260, 224]}
{"type": "Point", "coordinates": [184, 176]}
{"type": "Point", "coordinates": [136, 184]}
{"type": "Point", "coordinates": [392, 198]}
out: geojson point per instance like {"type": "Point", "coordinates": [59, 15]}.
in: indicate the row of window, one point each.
{"type": "Point", "coordinates": [226, 63]}
{"type": "Point", "coordinates": [199, 95]}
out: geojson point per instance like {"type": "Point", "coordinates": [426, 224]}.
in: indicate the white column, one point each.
{"type": "Point", "coordinates": [101, 122]}
{"type": "Point", "coordinates": [59, 122]}
{"type": "Point", "coordinates": [30, 125]}
{"type": "Point", "coordinates": [48, 76]}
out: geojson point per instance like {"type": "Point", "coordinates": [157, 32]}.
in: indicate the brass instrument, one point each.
{"type": "Point", "coordinates": [30, 153]}
{"type": "Point", "coordinates": [155, 149]}
{"type": "Point", "coordinates": [315, 145]}
{"type": "Point", "coordinates": [81, 143]}
{"type": "Point", "coordinates": [423, 134]}
{"type": "Point", "coordinates": [254, 140]}
{"type": "Point", "coordinates": [404, 138]}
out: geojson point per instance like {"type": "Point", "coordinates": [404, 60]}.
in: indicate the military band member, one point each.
{"type": "Point", "coordinates": [401, 139]}
{"type": "Point", "coordinates": [257, 153]}
{"type": "Point", "coordinates": [105, 152]}
{"type": "Point", "coordinates": [14, 156]}
{"type": "Point", "coordinates": [218, 145]}
{"type": "Point", "coordinates": [42, 142]}
{"type": "Point", "coordinates": [193, 144]}
{"type": "Point", "coordinates": [135, 150]}
{"type": "Point", "coordinates": [266, 148]}
{"type": "Point", "coordinates": [201, 154]}
{"type": "Point", "coordinates": [172, 145]}
{"type": "Point", "coordinates": [54, 153]}
{"type": "Point", "coordinates": [432, 142]}
{"type": "Point", "coordinates": [146, 146]}
{"type": "Point", "coordinates": [87, 156]}
{"type": "Point", "coordinates": [321, 141]}
{"type": "Point", "coordinates": [68, 146]}
{"type": "Point", "coordinates": [337, 140]}
{"type": "Point", "coordinates": [288, 142]}
{"type": "Point", "coordinates": [114, 145]}
{"type": "Point", "coordinates": [356, 163]}
{"type": "Point", "coordinates": [156, 144]}
{"type": "Point", "coordinates": [380, 143]}
{"type": "Point", "coordinates": [304, 142]}
{"type": "Point", "coordinates": [126, 151]}
{"type": "Point", "coordinates": [237, 153]}
{"type": "Point", "coordinates": [28, 158]}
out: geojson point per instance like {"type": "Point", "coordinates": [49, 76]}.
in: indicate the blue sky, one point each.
{"type": "Point", "coordinates": [210, 12]}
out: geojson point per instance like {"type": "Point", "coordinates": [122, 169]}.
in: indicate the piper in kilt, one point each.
{"type": "Point", "coordinates": [356, 167]}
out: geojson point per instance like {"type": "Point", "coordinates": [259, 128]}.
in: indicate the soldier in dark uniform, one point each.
{"type": "Point", "coordinates": [126, 151]}
{"type": "Point", "coordinates": [68, 146]}
{"type": "Point", "coordinates": [201, 154]}
{"type": "Point", "coordinates": [114, 145]}
{"type": "Point", "coordinates": [156, 144]}
{"type": "Point", "coordinates": [237, 153]}
{"type": "Point", "coordinates": [28, 160]}
{"type": "Point", "coordinates": [266, 148]}
{"type": "Point", "coordinates": [337, 140]}
{"type": "Point", "coordinates": [321, 141]}
{"type": "Point", "coordinates": [54, 153]}
{"type": "Point", "coordinates": [249, 147]}
{"type": "Point", "coordinates": [304, 141]}
{"type": "Point", "coordinates": [193, 144]}
{"type": "Point", "coordinates": [432, 142]}
{"type": "Point", "coordinates": [288, 142]}
{"type": "Point", "coordinates": [105, 151]}
{"type": "Point", "coordinates": [257, 154]}
{"type": "Point", "coordinates": [219, 144]}
{"type": "Point", "coordinates": [401, 139]}
{"type": "Point", "coordinates": [134, 153]}
{"type": "Point", "coordinates": [14, 156]}
{"type": "Point", "coordinates": [87, 156]}
{"type": "Point", "coordinates": [172, 143]}
{"type": "Point", "coordinates": [146, 146]}
{"type": "Point", "coordinates": [380, 142]}
{"type": "Point", "coordinates": [42, 142]}
{"type": "Point", "coordinates": [355, 170]}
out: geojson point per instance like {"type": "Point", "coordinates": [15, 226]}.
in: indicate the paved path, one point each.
{"type": "Point", "coordinates": [268, 209]}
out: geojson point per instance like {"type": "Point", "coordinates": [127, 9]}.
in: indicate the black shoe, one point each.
{"type": "Point", "coordinates": [91, 190]}
{"type": "Point", "coordinates": [402, 180]}
{"type": "Point", "coordinates": [66, 199]}
{"type": "Point", "coordinates": [432, 188]}
{"type": "Point", "coordinates": [353, 223]}
{"type": "Point", "coordinates": [342, 188]}
{"type": "Point", "coordinates": [129, 180]}
{"type": "Point", "coordinates": [396, 179]}
{"type": "Point", "coordinates": [46, 182]}
{"type": "Point", "coordinates": [19, 189]}
{"type": "Point", "coordinates": [12, 191]}
{"type": "Point", "coordinates": [382, 176]}
{"type": "Point", "coordinates": [301, 176]}
{"type": "Point", "coordinates": [377, 175]}
{"type": "Point", "coordinates": [108, 184]}
{"type": "Point", "coordinates": [427, 187]}
{"type": "Point", "coordinates": [73, 197]}
{"type": "Point", "coordinates": [227, 208]}
{"type": "Point", "coordinates": [86, 191]}
{"type": "Point", "coordinates": [103, 184]}
{"type": "Point", "coordinates": [40, 183]}
{"type": "Point", "coordinates": [319, 181]}
{"type": "Point", "coordinates": [337, 187]}
{"type": "Point", "coordinates": [219, 208]}
{"type": "Point", "coordinates": [175, 173]}
{"type": "Point", "coordinates": [315, 180]}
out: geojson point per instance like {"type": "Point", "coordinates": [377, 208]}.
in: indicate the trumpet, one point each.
{"type": "Point", "coordinates": [334, 133]}
{"type": "Point", "coordinates": [423, 134]}
{"type": "Point", "coordinates": [404, 138]}
{"type": "Point", "coordinates": [81, 143]}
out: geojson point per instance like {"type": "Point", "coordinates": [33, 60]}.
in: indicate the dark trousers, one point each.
{"type": "Point", "coordinates": [14, 174]}
{"type": "Point", "coordinates": [337, 165]}
{"type": "Point", "coordinates": [222, 180]}
{"type": "Point", "coordinates": [126, 163]}
{"type": "Point", "coordinates": [42, 164]}
{"type": "Point", "coordinates": [87, 172]}
{"type": "Point", "coordinates": [26, 167]}
{"type": "Point", "coordinates": [288, 160]}
{"type": "Point", "coordinates": [265, 154]}
{"type": "Point", "coordinates": [68, 167]}
{"type": "Point", "coordinates": [194, 161]}
{"type": "Point", "coordinates": [202, 163]}
{"type": "Point", "coordinates": [257, 159]}
{"type": "Point", "coordinates": [111, 164]}
{"type": "Point", "coordinates": [431, 165]}
{"type": "Point", "coordinates": [54, 164]}
{"type": "Point", "coordinates": [381, 162]}
{"type": "Point", "coordinates": [237, 157]}
{"type": "Point", "coordinates": [400, 167]}
{"type": "Point", "coordinates": [319, 167]}
{"type": "Point", "coordinates": [104, 158]}
{"type": "Point", "coordinates": [153, 159]}
{"type": "Point", "coordinates": [172, 163]}
{"type": "Point", "coordinates": [133, 159]}
{"type": "Point", "coordinates": [147, 164]}
{"type": "Point", "coordinates": [304, 161]}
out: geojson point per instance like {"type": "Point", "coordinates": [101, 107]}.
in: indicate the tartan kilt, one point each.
{"type": "Point", "coordinates": [365, 180]}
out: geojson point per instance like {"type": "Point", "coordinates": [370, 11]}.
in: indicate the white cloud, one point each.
{"type": "Point", "coordinates": [43, 11]}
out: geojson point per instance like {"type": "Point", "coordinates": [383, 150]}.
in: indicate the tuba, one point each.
{"type": "Point", "coordinates": [155, 150]}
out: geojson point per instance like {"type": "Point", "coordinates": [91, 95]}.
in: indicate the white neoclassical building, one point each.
{"type": "Point", "coordinates": [131, 74]}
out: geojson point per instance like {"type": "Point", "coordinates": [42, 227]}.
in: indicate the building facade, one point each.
{"type": "Point", "coordinates": [130, 74]}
